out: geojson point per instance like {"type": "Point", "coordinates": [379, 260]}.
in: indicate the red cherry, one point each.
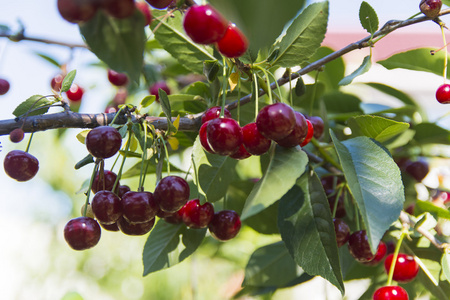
{"type": "Point", "coordinates": [309, 135]}
{"type": "Point", "coordinates": [172, 193]}
{"type": "Point", "coordinates": [75, 11]}
{"type": "Point", "coordinates": [276, 121]}
{"type": "Point", "coordinates": [418, 169]}
{"type": "Point", "coordinates": [135, 228]}
{"type": "Point", "coordinates": [430, 8]}
{"type": "Point", "coordinates": [358, 245]}
{"type": "Point", "coordinates": [241, 153]}
{"type": "Point", "coordinates": [204, 25]}
{"type": "Point", "coordinates": [203, 138]}
{"type": "Point", "coordinates": [342, 232]}
{"type": "Point", "coordinates": [254, 141]}
{"type": "Point", "coordinates": [103, 141]}
{"type": "Point", "coordinates": [105, 183]}
{"type": "Point", "coordinates": [234, 43]}
{"type": "Point", "coordinates": [145, 10]}
{"type": "Point", "coordinates": [107, 207]}
{"type": "Point", "coordinates": [82, 233]}
{"type": "Point", "coordinates": [390, 293]}
{"type": "Point", "coordinates": [443, 94]}
{"type": "Point", "coordinates": [318, 126]}
{"type": "Point", "coordinates": [110, 227]}
{"type": "Point", "coordinates": [154, 89]}
{"type": "Point", "coordinates": [139, 207]}
{"type": "Point", "coordinates": [122, 190]}
{"type": "Point", "coordinates": [119, 9]}
{"type": "Point", "coordinates": [56, 82]}
{"type": "Point", "coordinates": [406, 267]}
{"type": "Point", "coordinates": [116, 78]}
{"type": "Point", "coordinates": [381, 253]}
{"type": "Point", "coordinates": [225, 225]}
{"type": "Point", "coordinates": [173, 217]}
{"type": "Point", "coordinates": [20, 165]}
{"type": "Point", "coordinates": [224, 136]}
{"type": "Point", "coordinates": [16, 135]}
{"type": "Point", "coordinates": [4, 86]}
{"type": "Point", "coordinates": [298, 134]}
{"type": "Point", "coordinates": [196, 215]}
{"type": "Point", "coordinates": [75, 93]}
{"type": "Point", "coordinates": [214, 113]}
{"type": "Point", "coordinates": [159, 4]}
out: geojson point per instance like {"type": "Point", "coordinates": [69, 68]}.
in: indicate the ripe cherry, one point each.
{"type": "Point", "coordinates": [20, 165]}
{"type": "Point", "coordinates": [56, 82]}
{"type": "Point", "coordinates": [159, 4]}
{"type": "Point", "coordinates": [116, 78]}
{"type": "Point", "coordinates": [75, 11]}
{"type": "Point", "coordinates": [276, 121]}
{"type": "Point", "coordinates": [135, 228]}
{"type": "Point", "coordinates": [254, 141]}
{"type": "Point", "coordinates": [430, 8]}
{"type": "Point", "coordinates": [75, 93]}
{"type": "Point", "coordinates": [225, 225]}
{"type": "Point", "coordinates": [298, 134]}
{"type": "Point", "coordinates": [342, 232]}
{"type": "Point", "coordinates": [82, 233]}
{"type": "Point", "coordinates": [318, 126]}
{"type": "Point", "coordinates": [418, 169]}
{"type": "Point", "coordinates": [358, 245]}
{"type": "Point", "coordinates": [406, 267]}
{"type": "Point", "coordinates": [103, 141]}
{"type": "Point", "coordinates": [107, 207]}
{"type": "Point", "coordinates": [105, 182]}
{"type": "Point", "coordinates": [154, 89]}
{"type": "Point", "coordinates": [172, 193]}
{"type": "Point", "coordinates": [224, 136]}
{"type": "Point", "coordinates": [173, 217]}
{"type": "Point", "coordinates": [390, 293]}
{"type": "Point", "coordinates": [4, 86]}
{"type": "Point", "coordinates": [241, 153]}
{"type": "Point", "coordinates": [122, 190]}
{"type": "Point", "coordinates": [110, 227]}
{"type": "Point", "coordinates": [196, 215]}
{"type": "Point", "coordinates": [204, 25]}
{"type": "Point", "coordinates": [203, 138]}
{"type": "Point", "coordinates": [381, 253]}
{"type": "Point", "coordinates": [139, 207]}
{"type": "Point", "coordinates": [443, 94]}
{"type": "Point", "coordinates": [145, 10]}
{"type": "Point", "coordinates": [16, 135]}
{"type": "Point", "coordinates": [309, 135]}
{"type": "Point", "coordinates": [214, 113]}
{"type": "Point", "coordinates": [234, 43]}
{"type": "Point", "coordinates": [119, 9]}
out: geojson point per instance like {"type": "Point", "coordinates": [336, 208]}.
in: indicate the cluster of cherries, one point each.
{"type": "Point", "coordinates": [134, 213]}
{"type": "Point", "coordinates": [276, 122]}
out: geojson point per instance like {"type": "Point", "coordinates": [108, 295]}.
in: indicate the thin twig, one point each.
{"type": "Point", "coordinates": [18, 38]}
{"type": "Point", "coordinates": [405, 219]}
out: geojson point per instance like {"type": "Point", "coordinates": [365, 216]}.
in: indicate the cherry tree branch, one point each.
{"type": "Point", "coordinates": [21, 37]}
{"type": "Point", "coordinates": [405, 219]}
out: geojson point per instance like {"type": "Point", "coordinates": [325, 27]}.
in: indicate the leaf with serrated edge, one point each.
{"type": "Point", "coordinates": [378, 128]}
{"type": "Point", "coordinates": [375, 183]}
{"type": "Point", "coordinates": [304, 36]}
{"type": "Point", "coordinates": [33, 106]}
{"type": "Point", "coordinates": [363, 68]}
{"type": "Point", "coordinates": [368, 17]}
{"type": "Point", "coordinates": [68, 80]}
{"type": "Point", "coordinates": [285, 166]}
{"type": "Point", "coordinates": [306, 226]}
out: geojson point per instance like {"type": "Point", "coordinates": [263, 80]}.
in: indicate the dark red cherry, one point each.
{"type": "Point", "coordinates": [107, 207]}
{"type": "Point", "coordinates": [4, 86]}
{"type": "Point", "coordinates": [122, 190]}
{"type": "Point", "coordinates": [82, 233]}
{"type": "Point", "coordinates": [358, 245]}
{"type": "Point", "coordinates": [173, 217]}
{"type": "Point", "coordinates": [225, 225]}
{"type": "Point", "coordinates": [443, 94]}
{"type": "Point", "coordinates": [204, 25]}
{"type": "Point", "coordinates": [309, 135]}
{"type": "Point", "coordinates": [135, 228]}
{"type": "Point", "coordinates": [145, 10]}
{"type": "Point", "coordinates": [241, 153]}
{"type": "Point", "coordinates": [75, 93]}
{"type": "Point", "coordinates": [20, 165]}
{"type": "Point", "coordinates": [16, 135]}
{"type": "Point", "coordinates": [390, 293]}
{"type": "Point", "coordinates": [159, 4]}
{"type": "Point", "coordinates": [224, 136]}
{"type": "Point", "coordinates": [298, 134]}
{"type": "Point", "coordinates": [116, 78]}
{"type": "Point", "coordinates": [214, 113]}
{"type": "Point", "coordinates": [110, 227]}
{"type": "Point", "coordinates": [254, 142]}
{"type": "Point", "coordinates": [139, 207]}
{"type": "Point", "coordinates": [318, 126]}
{"type": "Point", "coordinates": [119, 9]}
{"type": "Point", "coordinates": [103, 141]}
{"type": "Point", "coordinates": [234, 43]}
{"type": "Point", "coordinates": [154, 89]}
{"type": "Point", "coordinates": [418, 169]}
{"type": "Point", "coordinates": [381, 253]}
{"type": "Point", "coordinates": [342, 232]}
{"type": "Point", "coordinates": [430, 8]}
{"type": "Point", "coordinates": [75, 11]}
{"type": "Point", "coordinates": [56, 82]}
{"type": "Point", "coordinates": [276, 121]}
{"type": "Point", "coordinates": [196, 215]}
{"type": "Point", "coordinates": [105, 182]}
{"type": "Point", "coordinates": [406, 267]}
{"type": "Point", "coordinates": [203, 138]}
{"type": "Point", "coordinates": [172, 193]}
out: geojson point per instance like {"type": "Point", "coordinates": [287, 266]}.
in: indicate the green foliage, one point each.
{"type": "Point", "coordinates": [378, 128]}
{"type": "Point", "coordinates": [33, 106]}
{"type": "Point", "coordinates": [368, 17]}
{"type": "Point", "coordinates": [363, 68]}
{"type": "Point", "coordinates": [68, 80]}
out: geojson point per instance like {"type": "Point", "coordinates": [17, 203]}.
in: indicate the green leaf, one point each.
{"type": "Point", "coordinates": [445, 263]}
{"type": "Point", "coordinates": [119, 43]}
{"type": "Point", "coordinates": [363, 68]}
{"type": "Point", "coordinates": [304, 36]}
{"type": "Point", "coordinates": [375, 183]}
{"type": "Point", "coordinates": [85, 161]}
{"type": "Point", "coordinates": [148, 100]}
{"type": "Point", "coordinates": [425, 206]}
{"type": "Point", "coordinates": [50, 59]}
{"type": "Point", "coordinates": [300, 88]}
{"type": "Point", "coordinates": [395, 93]}
{"type": "Point", "coordinates": [378, 128]}
{"type": "Point", "coordinates": [306, 227]}
{"type": "Point", "coordinates": [81, 136]}
{"type": "Point", "coordinates": [33, 106]}
{"type": "Point", "coordinates": [214, 172]}
{"type": "Point", "coordinates": [169, 244]}
{"type": "Point", "coordinates": [210, 69]}
{"type": "Point", "coordinates": [368, 17]}
{"type": "Point", "coordinates": [271, 265]}
{"type": "Point", "coordinates": [170, 34]}
{"type": "Point", "coordinates": [286, 165]}
{"type": "Point", "coordinates": [151, 169]}
{"type": "Point", "coordinates": [430, 133]}
{"type": "Point", "coordinates": [68, 80]}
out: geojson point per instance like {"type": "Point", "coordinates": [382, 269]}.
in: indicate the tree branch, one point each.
{"type": "Point", "coordinates": [21, 37]}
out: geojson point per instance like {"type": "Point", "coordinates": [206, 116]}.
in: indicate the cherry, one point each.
{"type": "Point", "coordinates": [139, 207]}
{"type": "Point", "coordinates": [120, 97]}
{"type": "Point", "coordinates": [276, 121]}
{"type": "Point", "coordinates": [390, 293]}
{"type": "Point", "coordinates": [234, 43]}
{"type": "Point", "coordinates": [107, 207]}
{"type": "Point", "coordinates": [204, 25]}
{"type": "Point", "coordinates": [110, 227]}
{"type": "Point", "coordinates": [241, 153]}
{"type": "Point", "coordinates": [173, 217]}
{"type": "Point", "coordinates": [358, 245]}
{"type": "Point", "coordinates": [254, 141]}
{"type": "Point", "coordinates": [172, 193]}
{"type": "Point", "coordinates": [75, 11]}
{"type": "Point", "coordinates": [135, 228]}
{"type": "Point", "coordinates": [4, 86]}
{"type": "Point", "coordinates": [381, 253]}
{"type": "Point", "coordinates": [195, 215]}
{"type": "Point", "coordinates": [103, 141]}
{"type": "Point", "coordinates": [225, 225]}
{"type": "Point", "coordinates": [430, 8]}
{"type": "Point", "coordinates": [89, 212]}
{"type": "Point", "coordinates": [122, 190]}
{"type": "Point", "coordinates": [159, 4]}
{"type": "Point", "coordinates": [224, 136]}
{"type": "Point", "coordinates": [105, 183]}
{"type": "Point", "coordinates": [56, 82]}
{"type": "Point", "coordinates": [418, 169]}
{"type": "Point", "coordinates": [75, 93]}
{"type": "Point", "coordinates": [116, 78]}
{"type": "Point", "coordinates": [309, 135]}
{"type": "Point", "coordinates": [298, 134]}
{"type": "Point", "coordinates": [214, 113]}
{"type": "Point", "coordinates": [82, 233]}
{"type": "Point", "coordinates": [119, 9]}
{"type": "Point", "coordinates": [16, 135]}
{"type": "Point", "coordinates": [406, 267]}
{"type": "Point", "coordinates": [145, 10]}
{"type": "Point", "coordinates": [443, 94]}
{"type": "Point", "coordinates": [154, 89]}
{"type": "Point", "coordinates": [20, 165]}
{"type": "Point", "coordinates": [318, 126]}
{"type": "Point", "coordinates": [342, 232]}
{"type": "Point", "coordinates": [203, 138]}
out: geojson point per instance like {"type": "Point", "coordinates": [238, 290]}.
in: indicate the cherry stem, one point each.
{"type": "Point", "coordinates": [166, 152]}
{"type": "Point", "coordinates": [446, 53]}
{"type": "Point", "coordinates": [394, 258]}
{"type": "Point", "coordinates": [117, 114]}
{"type": "Point", "coordinates": [88, 193]}
{"type": "Point", "coordinates": [224, 87]}
{"type": "Point", "coordinates": [239, 101]}
{"type": "Point", "coordinates": [29, 142]}
{"type": "Point", "coordinates": [255, 82]}
{"type": "Point", "coordinates": [127, 148]}
{"type": "Point", "coordinates": [325, 155]}
{"type": "Point", "coordinates": [313, 96]}
{"type": "Point", "coordinates": [336, 201]}
{"type": "Point", "coordinates": [196, 177]}
{"type": "Point", "coordinates": [290, 86]}
{"type": "Point", "coordinates": [144, 157]}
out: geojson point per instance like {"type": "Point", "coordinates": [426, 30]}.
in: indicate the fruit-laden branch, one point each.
{"type": "Point", "coordinates": [21, 37]}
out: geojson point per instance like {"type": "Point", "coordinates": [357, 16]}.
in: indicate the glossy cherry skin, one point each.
{"type": "Point", "coordinates": [172, 193]}
{"type": "Point", "coordinates": [107, 207]}
{"type": "Point", "coordinates": [358, 245]}
{"type": "Point", "coordinates": [298, 134]}
{"type": "Point", "coordinates": [145, 10]}
{"type": "Point", "coordinates": [224, 136]}
{"type": "Point", "coordinates": [196, 215]}
{"type": "Point", "coordinates": [135, 228]}
{"type": "Point", "coordinates": [443, 94]}
{"type": "Point", "coordinates": [276, 121]}
{"type": "Point", "coordinates": [342, 232]}
{"type": "Point", "coordinates": [241, 153]}
{"type": "Point", "coordinates": [214, 113]}
{"type": "Point", "coordinates": [123, 189]}
{"type": "Point", "coordinates": [234, 43]}
{"type": "Point", "coordinates": [56, 82]}
{"type": "Point", "coordinates": [103, 141]}
{"type": "Point", "coordinates": [418, 169]}
{"type": "Point", "coordinates": [203, 138]}
{"type": "Point", "coordinates": [154, 89]}
{"type": "Point", "coordinates": [225, 225]}
{"type": "Point", "coordinates": [204, 25]}
{"type": "Point", "coordinates": [110, 227]}
{"type": "Point", "coordinates": [82, 233]}
{"type": "Point", "coordinates": [390, 293]}
{"type": "Point", "coordinates": [406, 267]}
{"type": "Point", "coordinates": [75, 93]}
{"type": "Point", "coordinates": [104, 183]}
{"type": "Point", "coordinates": [4, 86]}
{"type": "Point", "coordinates": [20, 165]}
{"type": "Point", "coordinates": [159, 4]}
{"type": "Point", "coordinates": [254, 141]}
{"type": "Point", "coordinates": [119, 9]}
{"type": "Point", "coordinates": [116, 78]}
{"type": "Point", "coordinates": [75, 11]}
{"type": "Point", "coordinates": [139, 207]}
{"type": "Point", "coordinates": [430, 8]}
{"type": "Point", "coordinates": [318, 125]}
{"type": "Point", "coordinates": [309, 135]}
{"type": "Point", "coordinates": [16, 135]}
{"type": "Point", "coordinates": [172, 218]}
{"type": "Point", "coordinates": [381, 253]}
